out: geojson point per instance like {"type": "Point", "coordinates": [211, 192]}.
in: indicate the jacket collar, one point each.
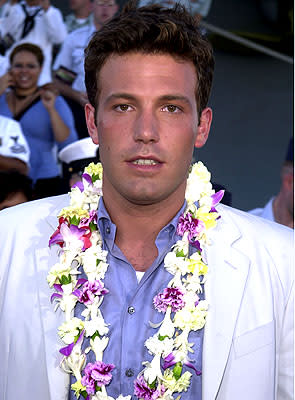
{"type": "Point", "coordinates": [228, 272]}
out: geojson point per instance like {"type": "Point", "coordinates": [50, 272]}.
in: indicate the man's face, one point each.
{"type": "Point", "coordinates": [147, 126]}
{"type": "Point", "coordinates": [76, 5]}
{"type": "Point", "coordinates": [104, 10]}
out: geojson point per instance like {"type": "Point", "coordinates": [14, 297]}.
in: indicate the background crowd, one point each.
{"type": "Point", "coordinates": [42, 94]}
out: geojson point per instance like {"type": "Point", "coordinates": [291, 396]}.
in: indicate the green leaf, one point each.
{"type": "Point", "coordinates": [84, 394]}
{"type": "Point", "coordinates": [161, 338]}
{"type": "Point", "coordinates": [93, 226]}
{"type": "Point", "coordinates": [95, 177]}
{"type": "Point", "coordinates": [75, 220]}
{"type": "Point", "coordinates": [94, 335]}
{"type": "Point", "coordinates": [177, 370]}
{"type": "Point", "coordinates": [65, 280]}
{"type": "Point", "coordinates": [180, 253]}
{"type": "Point", "coordinates": [153, 384]}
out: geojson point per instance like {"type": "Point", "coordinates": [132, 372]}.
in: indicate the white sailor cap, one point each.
{"type": "Point", "coordinates": [78, 150]}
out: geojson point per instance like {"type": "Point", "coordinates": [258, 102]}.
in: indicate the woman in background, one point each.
{"type": "Point", "coordinates": [45, 118]}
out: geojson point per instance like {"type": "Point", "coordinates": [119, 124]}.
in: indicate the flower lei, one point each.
{"type": "Point", "coordinates": [81, 249]}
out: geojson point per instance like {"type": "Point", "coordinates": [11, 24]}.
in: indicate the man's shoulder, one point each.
{"type": "Point", "coordinates": [84, 31]}
{"type": "Point", "coordinates": [251, 223]}
{"type": "Point", "coordinates": [6, 123]}
{"type": "Point", "coordinates": [30, 216]}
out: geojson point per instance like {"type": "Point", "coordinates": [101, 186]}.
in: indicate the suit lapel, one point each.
{"type": "Point", "coordinates": [45, 258]}
{"type": "Point", "coordinates": [224, 291]}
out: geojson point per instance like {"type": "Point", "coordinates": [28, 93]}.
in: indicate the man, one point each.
{"type": "Point", "coordinates": [16, 189]}
{"type": "Point", "coordinates": [81, 14]}
{"type": "Point", "coordinates": [136, 287]}
{"type": "Point", "coordinates": [280, 208]}
{"type": "Point", "coordinates": [14, 149]}
{"type": "Point", "coordinates": [68, 66]}
{"type": "Point", "coordinates": [34, 21]}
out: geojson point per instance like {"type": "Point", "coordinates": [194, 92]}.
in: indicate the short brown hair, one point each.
{"type": "Point", "coordinates": [151, 30]}
{"type": "Point", "coordinates": [29, 47]}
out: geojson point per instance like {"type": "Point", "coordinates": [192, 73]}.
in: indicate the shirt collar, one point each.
{"type": "Point", "coordinates": [108, 228]}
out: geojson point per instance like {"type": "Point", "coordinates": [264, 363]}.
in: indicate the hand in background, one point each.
{"type": "Point", "coordinates": [48, 97]}
{"type": "Point", "coordinates": [45, 4]}
{"type": "Point", "coordinates": [6, 80]}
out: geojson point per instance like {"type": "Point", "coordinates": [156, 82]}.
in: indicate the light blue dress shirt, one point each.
{"type": "Point", "coordinates": [128, 308]}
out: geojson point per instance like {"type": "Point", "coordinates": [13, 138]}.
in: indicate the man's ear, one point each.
{"type": "Point", "coordinates": [91, 123]}
{"type": "Point", "coordinates": [204, 127]}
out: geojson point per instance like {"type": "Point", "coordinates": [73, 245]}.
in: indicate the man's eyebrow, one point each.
{"type": "Point", "coordinates": [175, 97]}
{"type": "Point", "coordinates": [116, 96]}
{"type": "Point", "coordinates": [166, 97]}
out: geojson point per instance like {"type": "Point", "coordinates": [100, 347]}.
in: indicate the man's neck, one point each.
{"type": "Point", "coordinates": [281, 213]}
{"type": "Point", "coordinates": [83, 13]}
{"type": "Point", "coordinates": [138, 227]}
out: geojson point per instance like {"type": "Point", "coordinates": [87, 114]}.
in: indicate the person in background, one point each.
{"type": "Point", "coordinates": [198, 8]}
{"type": "Point", "coordinates": [33, 21]}
{"type": "Point", "coordinates": [74, 158]}
{"type": "Point", "coordinates": [68, 66]}
{"type": "Point", "coordinates": [80, 16]}
{"type": "Point", "coordinates": [280, 208]}
{"type": "Point", "coordinates": [14, 149]}
{"type": "Point", "coordinates": [45, 118]}
{"type": "Point", "coordinates": [159, 291]}
{"type": "Point", "coordinates": [15, 188]}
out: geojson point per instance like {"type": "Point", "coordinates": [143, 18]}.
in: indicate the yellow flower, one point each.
{"type": "Point", "coordinates": [94, 169]}
{"type": "Point", "coordinates": [208, 218]}
{"type": "Point", "coordinates": [183, 382]}
{"type": "Point", "coordinates": [78, 388]}
{"type": "Point", "coordinates": [70, 212]}
{"type": "Point", "coordinates": [196, 262]}
{"type": "Point", "coordinates": [201, 172]}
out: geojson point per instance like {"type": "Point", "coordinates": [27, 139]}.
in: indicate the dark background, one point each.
{"type": "Point", "coordinates": [252, 101]}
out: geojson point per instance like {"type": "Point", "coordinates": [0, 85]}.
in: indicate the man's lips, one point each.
{"type": "Point", "coordinates": [146, 160]}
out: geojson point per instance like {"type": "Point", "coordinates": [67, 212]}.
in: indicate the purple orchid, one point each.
{"type": "Point", "coordinates": [170, 360]}
{"type": "Point", "coordinates": [79, 185]}
{"type": "Point", "coordinates": [169, 297]}
{"type": "Point", "coordinates": [84, 223]}
{"type": "Point", "coordinates": [191, 225]}
{"type": "Point", "coordinates": [143, 391]}
{"type": "Point", "coordinates": [96, 374]}
{"type": "Point", "coordinates": [89, 290]}
{"type": "Point", "coordinates": [217, 197]}
{"type": "Point", "coordinates": [87, 178]}
{"type": "Point", "coordinates": [67, 350]}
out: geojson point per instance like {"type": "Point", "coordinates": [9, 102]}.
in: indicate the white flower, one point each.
{"type": "Point", "coordinates": [156, 346]}
{"type": "Point", "coordinates": [75, 361]}
{"type": "Point", "coordinates": [167, 326]}
{"type": "Point", "coordinates": [181, 246]}
{"type": "Point", "coordinates": [179, 385]}
{"type": "Point", "coordinates": [96, 324]}
{"type": "Point", "coordinates": [174, 264]}
{"type": "Point", "coordinates": [56, 272]}
{"type": "Point", "coordinates": [77, 198]}
{"type": "Point", "coordinates": [98, 346]}
{"type": "Point", "coordinates": [152, 370]}
{"type": "Point", "coordinates": [70, 329]}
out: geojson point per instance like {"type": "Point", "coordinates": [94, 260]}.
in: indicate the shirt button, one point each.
{"type": "Point", "coordinates": [129, 372]}
{"type": "Point", "coordinates": [108, 230]}
{"type": "Point", "coordinates": [131, 310]}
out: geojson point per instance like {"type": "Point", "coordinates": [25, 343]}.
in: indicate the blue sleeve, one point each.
{"type": "Point", "coordinates": [67, 116]}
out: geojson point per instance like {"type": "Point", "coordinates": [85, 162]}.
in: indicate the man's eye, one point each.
{"type": "Point", "coordinates": [122, 107]}
{"type": "Point", "coordinates": [171, 108]}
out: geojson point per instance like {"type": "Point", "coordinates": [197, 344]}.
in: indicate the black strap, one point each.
{"type": "Point", "coordinates": [18, 116]}
{"type": "Point", "coordinates": [29, 22]}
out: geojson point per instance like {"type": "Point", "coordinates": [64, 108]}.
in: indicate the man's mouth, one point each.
{"type": "Point", "coordinates": [142, 161]}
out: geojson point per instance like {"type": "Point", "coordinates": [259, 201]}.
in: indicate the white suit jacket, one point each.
{"type": "Point", "coordinates": [247, 350]}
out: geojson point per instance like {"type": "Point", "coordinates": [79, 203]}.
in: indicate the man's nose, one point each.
{"type": "Point", "coordinates": [146, 127]}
